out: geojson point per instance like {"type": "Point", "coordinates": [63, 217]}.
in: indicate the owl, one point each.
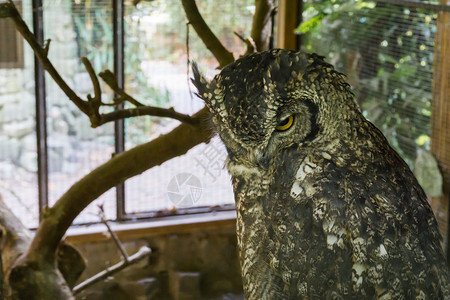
{"type": "Point", "coordinates": [326, 209]}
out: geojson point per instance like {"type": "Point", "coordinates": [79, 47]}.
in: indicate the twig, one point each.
{"type": "Point", "coordinates": [112, 233]}
{"type": "Point", "coordinates": [262, 24]}
{"type": "Point", "coordinates": [109, 78]}
{"type": "Point", "coordinates": [188, 61]}
{"type": "Point", "coordinates": [145, 111]}
{"type": "Point", "coordinates": [141, 254]}
{"type": "Point", "coordinates": [223, 56]}
{"type": "Point", "coordinates": [251, 46]}
{"type": "Point", "coordinates": [97, 99]}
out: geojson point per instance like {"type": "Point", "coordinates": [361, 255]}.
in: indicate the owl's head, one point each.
{"type": "Point", "coordinates": [270, 101]}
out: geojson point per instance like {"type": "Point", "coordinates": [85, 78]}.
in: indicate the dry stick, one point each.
{"type": "Point", "coordinates": [127, 260]}
{"type": "Point", "coordinates": [251, 46]}
{"type": "Point", "coordinates": [223, 56]}
{"type": "Point", "coordinates": [110, 79]}
{"type": "Point", "coordinates": [262, 24]}
{"type": "Point", "coordinates": [141, 254]}
{"type": "Point", "coordinates": [146, 110]}
{"type": "Point", "coordinates": [97, 99]}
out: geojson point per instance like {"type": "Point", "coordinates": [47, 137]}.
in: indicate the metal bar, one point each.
{"type": "Point", "coordinates": [119, 127]}
{"type": "Point", "coordinates": [141, 254]}
{"type": "Point", "coordinates": [41, 114]}
{"type": "Point", "coordinates": [417, 4]}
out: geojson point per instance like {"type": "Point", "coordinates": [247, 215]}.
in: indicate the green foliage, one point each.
{"type": "Point", "coordinates": [311, 23]}
{"type": "Point", "coordinates": [387, 53]}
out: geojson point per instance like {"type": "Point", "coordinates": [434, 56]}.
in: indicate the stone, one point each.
{"type": "Point", "coordinates": [11, 80]}
{"type": "Point", "coordinates": [151, 287]}
{"type": "Point", "coordinates": [184, 285]}
{"type": "Point", "coordinates": [55, 161]}
{"type": "Point", "coordinates": [9, 149]}
{"type": "Point", "coordinates": [83, 84]}
{"type": "Point", "coordinates": [29, 142]}
{"type": "Point", "coordinates": [28, 161]}
{"type": "Point", "coordinates": [7, 99]}
{"type": "Point", "coordinates": [84, 130]}
{"type": "Point", "coordinates": [17, 107]}
{"type": "Point", "coordinates": [19, 129]}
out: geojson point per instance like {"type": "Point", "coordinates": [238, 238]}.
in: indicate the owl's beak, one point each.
{"type": "Point", "coordinates": [263, 159]}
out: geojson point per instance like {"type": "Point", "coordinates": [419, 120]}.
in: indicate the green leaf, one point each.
{"type": "Point", "coordinates": [311, 23]}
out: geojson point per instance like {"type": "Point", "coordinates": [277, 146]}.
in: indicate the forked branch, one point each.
{"type": "Point", "coordinates": [91, 106]}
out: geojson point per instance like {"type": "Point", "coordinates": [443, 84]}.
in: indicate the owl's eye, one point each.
{"type": "Point", "coordinates": [285, 124]}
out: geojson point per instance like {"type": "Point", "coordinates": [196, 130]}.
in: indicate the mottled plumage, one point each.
{"type": "Point", "coordinates": [326, 208]}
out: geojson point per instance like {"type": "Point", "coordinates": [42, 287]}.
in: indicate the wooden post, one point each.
{"type": "Point", "coordinates": [288, 19]}
{"type": "Point", "coordinates": [440, 132]}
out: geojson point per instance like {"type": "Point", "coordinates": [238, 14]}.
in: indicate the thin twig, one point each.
{"type": "Point", "coordinates": [251, 46]}
{"type": "Point", "coordinates": [97, 99]}
{"type": "Point", "coordinates": [188, 61]}
{"type": "Point", "coordinates": [110, 79]}
{"type": "Point", "coordinates": [223, 56]}
{"type": "Point", "coordinates": [116, 240]}
{"type": "Point", "coordinates": [145, 111]}
{"type": "Point", "coordinates": [141, 254]}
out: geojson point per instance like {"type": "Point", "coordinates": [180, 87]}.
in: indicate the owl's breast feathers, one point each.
{"type": "Point", "coordinates": [349, 220]}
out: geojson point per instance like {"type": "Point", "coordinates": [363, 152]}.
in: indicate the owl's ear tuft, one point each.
{"type": "Point", "coordinates": [199, 81]}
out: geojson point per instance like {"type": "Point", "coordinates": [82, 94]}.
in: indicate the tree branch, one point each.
{"type": "Point", "coordinates": [96, 101]}
{"type": "Point", "coordinates": [56, 220]}
{"type": "Point", "coordinates": [110, 79]}
{"type": "Point", "coordinates": [91, 107]}
{"type": "Point", "coordinates": [145, 111]}
{"type": "Point", "coordinates": [262, 24]}
{"type": "Point", "coordinates": [251, 46]}
{"type": "Point", "coordinates": [15, 240]}
{"type": "Point", "coordinates": [223, 56]}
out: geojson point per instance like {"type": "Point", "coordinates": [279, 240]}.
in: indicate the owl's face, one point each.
{"type": "Point", "coordinates": [270, 101]}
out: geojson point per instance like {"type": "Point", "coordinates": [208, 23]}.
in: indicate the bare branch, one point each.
{"type": "Point", "coordinates": [251, 46]}
{"type": "Point", "coordinates": [97, 100]}
{"type": "Point", "coordinates": [110, 79]}
{"type": "Point", "coordinates": [57, 219]}
{"type": "Point", "coordinates": [262, 24]}
{"type": "Point", "coordinates": [141, 254]}
{"type": "Point", "coordinates": [15, 239]}
{"type": "Point", "coordinates": [92, 106]}
{"type": "Point", "coordinates": [146, 111]}
{"type": "Point", "coordinates": [223, 56]}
